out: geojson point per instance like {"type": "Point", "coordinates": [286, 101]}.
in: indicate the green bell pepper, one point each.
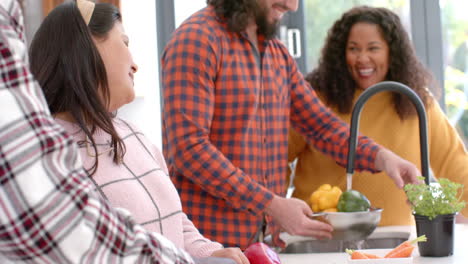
{"type": "Point", "coordinates": [353, 201]}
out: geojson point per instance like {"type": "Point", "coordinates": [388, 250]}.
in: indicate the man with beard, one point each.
{"type": "Point", "coordinates": [231, 89]}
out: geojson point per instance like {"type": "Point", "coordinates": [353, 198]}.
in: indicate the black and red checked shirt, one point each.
{"type": "Point", "coordinates": [227, 111]}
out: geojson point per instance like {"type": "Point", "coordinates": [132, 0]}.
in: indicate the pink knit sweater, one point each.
{"type": "Point", "coordinates": [141, 185]}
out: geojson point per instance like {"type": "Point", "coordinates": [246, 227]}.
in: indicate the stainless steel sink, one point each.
{"type": "Point", "coordinates": [379, 240]}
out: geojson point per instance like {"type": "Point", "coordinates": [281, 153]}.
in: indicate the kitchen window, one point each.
{"type": "Point", "coordinates": [455, 47]}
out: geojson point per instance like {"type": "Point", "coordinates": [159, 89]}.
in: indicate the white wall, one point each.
{"type": "Point", "coordinates": [32, 18]}
{"type": "Point", "coordinates": [139, 21]}
{"type": "Point", "coordinates": [140, 25]}
{"type": "Point", "coordinates": [184, 8]}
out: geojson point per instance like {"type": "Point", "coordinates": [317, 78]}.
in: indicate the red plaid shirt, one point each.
{"type": "Point", "coordinates": [227, 110]}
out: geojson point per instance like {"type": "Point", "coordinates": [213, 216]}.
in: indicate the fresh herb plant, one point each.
{"type": "Point", "coordinates": [435, 199]}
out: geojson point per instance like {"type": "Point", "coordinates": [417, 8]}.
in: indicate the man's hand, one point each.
{"type": "Point", "coordinates": [292, 216]}
{"type": "Point", "coordinates": [231, 253]}
{"type": "Point", "coordinates": [399, 170]}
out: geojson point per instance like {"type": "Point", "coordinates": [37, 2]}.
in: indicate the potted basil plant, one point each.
{"type": "Point", "coordinates": [434, 208]}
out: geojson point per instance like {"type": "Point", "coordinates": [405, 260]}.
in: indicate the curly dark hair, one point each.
{"type": "Point", "coordinates": [236, 12]}
{"type": "Point", "coordinates": [338, 89]}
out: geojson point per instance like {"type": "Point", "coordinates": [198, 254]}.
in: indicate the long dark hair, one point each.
{"type": "Point", "coordinates": [71, 72]}
{"type": "Point", "coordinates": [236, 12]}
{"type": "Point", "coordinates": [333, 80]}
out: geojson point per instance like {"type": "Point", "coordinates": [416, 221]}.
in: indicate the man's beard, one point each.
{"type": "Point", "coordinates": [264, 27]}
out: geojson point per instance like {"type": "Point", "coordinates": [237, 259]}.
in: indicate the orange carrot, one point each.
{"type": "Point", "coordinates": [371, 256]}
{"type": "Point", "coordinates": [406, 244]}
{"type": "Point", "coordinates": [356, 254]}
{"type": "Point", "coordinates": [402, 253]}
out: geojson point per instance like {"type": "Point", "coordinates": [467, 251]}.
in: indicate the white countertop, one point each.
{"type": "Point", "coordinates": [460, 251]}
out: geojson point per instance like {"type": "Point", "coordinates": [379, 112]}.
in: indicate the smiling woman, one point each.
{"type": "Point", "coordinates": [80, 57]}
{"type": "Point", "coordinates": [119, 66]}
{"type": "Point", "coordinates": [367, 55]}
{"type": "Point", "coordinates": [321, 14]}
{"type": "Point", "coordinates": [365, 46]}
{"type": "Point", "coordinates": [60, 47]}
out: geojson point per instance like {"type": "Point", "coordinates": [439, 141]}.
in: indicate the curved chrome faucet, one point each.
{"type": "Point", "coordinates": [394, 87]}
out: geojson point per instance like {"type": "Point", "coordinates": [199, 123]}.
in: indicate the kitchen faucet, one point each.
{"type": "Point", "coordinates": [393, 87]}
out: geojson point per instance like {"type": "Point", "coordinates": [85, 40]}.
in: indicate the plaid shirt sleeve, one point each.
{"type": "Point", "coordinates": [189, 67]}
{"type": "Point", "coordinates": [48, 212]}
{"type": "Point", "coordinates": [329, 134]}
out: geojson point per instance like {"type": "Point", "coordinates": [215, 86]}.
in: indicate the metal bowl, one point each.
{"type": "Point", "coordinates": [353, 226]}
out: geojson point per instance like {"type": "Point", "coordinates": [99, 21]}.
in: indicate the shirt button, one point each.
{"type": "Point", "coordinates": [264, 140]}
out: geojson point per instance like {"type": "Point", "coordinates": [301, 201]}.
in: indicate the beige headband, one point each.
{"type": "Point", "coordinates": [86, 9]}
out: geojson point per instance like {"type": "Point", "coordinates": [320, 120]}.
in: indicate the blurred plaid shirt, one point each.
{"type": "Point", "coordinates": [48, 213]}
{"type": "Point", "coordinates": [227, 111]}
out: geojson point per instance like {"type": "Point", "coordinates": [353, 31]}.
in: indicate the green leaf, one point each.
{"type": "Point", "coordinates": [435, 199]}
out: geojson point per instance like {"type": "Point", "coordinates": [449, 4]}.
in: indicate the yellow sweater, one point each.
{"type": "Point", "coordinates": [379, 121]}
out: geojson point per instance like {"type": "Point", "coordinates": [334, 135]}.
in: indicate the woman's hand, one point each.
{"type": "Point", "coordinates": [399, 170]}
{"type": "Point", "coordinates": [233, 253]}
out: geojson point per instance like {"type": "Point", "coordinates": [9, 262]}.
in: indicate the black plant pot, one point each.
{"type": "Point", "coordinates": [440, 235]}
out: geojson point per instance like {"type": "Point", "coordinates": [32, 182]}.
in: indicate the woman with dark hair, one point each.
{"type": "Point", "coordinates": [81, 59]}
{"type": "Point", "coordinates": [366, 46]}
